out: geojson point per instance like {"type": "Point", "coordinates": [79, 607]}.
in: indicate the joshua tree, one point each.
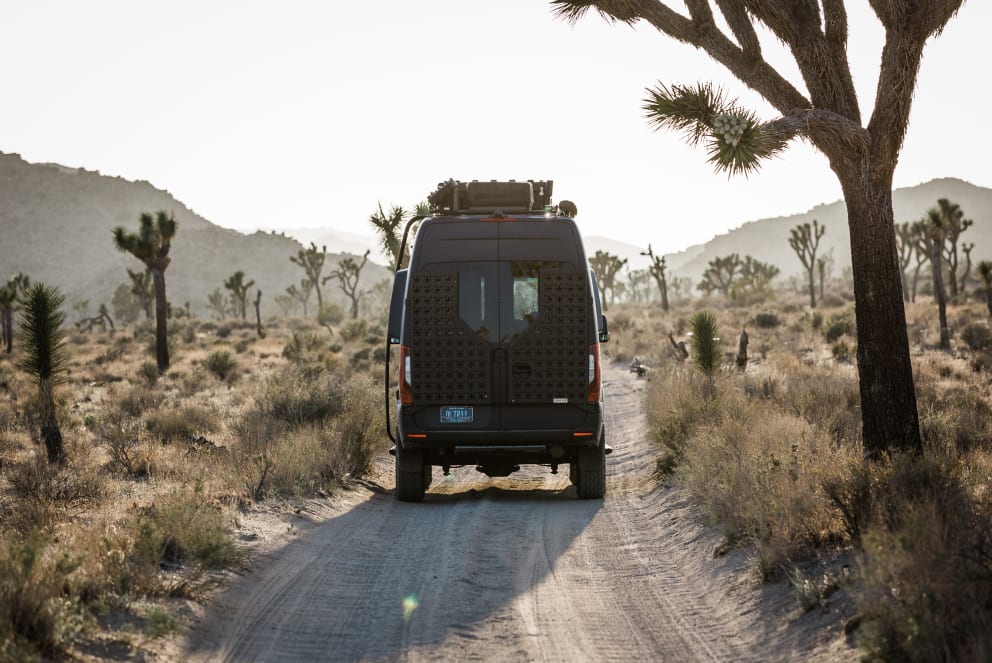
{"type": "Point", "coordinates": [657, 270]}
{"type": "Point", "coordinates": [821, 267]}
{"type": "Point", "coordinates": [217, 302]}
{"type": "Point", "coordinates": [348, 272]}
{"type": "Point", "coordinates": [954, 224]}
{"type": "Point", "coordinates": [44, 358]}
{"type": "Point", "coordinates": [720, 274]}
{"type": "Point", "coordinates": [967, 249]}
{"type": "Point", "coordinates": [754, 281]}
{"type": "Point", "coordinates": [606, 266]}
{"type": "Point", "coordinates": [10, 294]}
{"type": "Point", "coordinates": [638, 284]}
{"type": "Point", "coordinates": [905, 245]}
{"type": "Point", "coordinates": [312, 262]}
{"type": "Point", "coordinates": [985, 269]}
{"type": "Point", "coordinates": [804, 240]}
{"type": "Point", "coordinates": [921, 250]}
{"type": "Point", "coordinates": [389, 228]}
{"type": "Point", "coordinates": [258, 315]}
{"type": "Point", "coordinates": [239, 292]}
{"type": "Point", "coordinates": [826, 111]}
{"type": "Point", "coordinates": [936, 225]}
{"type": "Point", "coordinates": [151, 246]}
{"type": "Point", "coordinates": [301, 294]}
{"type": "Point", "coordinates": [143, 290]}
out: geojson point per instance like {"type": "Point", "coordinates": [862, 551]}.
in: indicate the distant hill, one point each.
{"type": "Point", "coordinates": [768, 239]}
{"type": "Point", "coordinates": [56, 223]}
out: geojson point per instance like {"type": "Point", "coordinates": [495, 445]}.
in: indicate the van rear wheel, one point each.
{"type": "Point", "coordinates": [412, 475]}
{"type": "Point", "coordinates": [592, 473]}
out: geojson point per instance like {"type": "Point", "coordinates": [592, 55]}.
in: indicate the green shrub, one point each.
{"type": "Point", "coordinates": [300, 396]}
{"type": "Point", "coordinates": [705, 342]}
{"type": "Point", "coordinates": [977, 336]}
{"type": "Point", "coordinates": [841, 324]}
{"type": "Point", "coordinates": [148, 371]}
{"type": "Point", "coordinates": [222, 364]}
{"type": "Point", "coordinates": [766, 321]}
{"type": "Point", "coordinates": [354, 329]}
{"type": "Point", "coordinates": [302, 346]}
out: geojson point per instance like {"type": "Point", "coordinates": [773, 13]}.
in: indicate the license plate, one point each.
{"type": "Point", "coordinates": [457, 414]}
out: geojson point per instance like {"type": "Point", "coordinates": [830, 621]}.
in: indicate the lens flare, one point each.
{"type": "Point", "coordinates": [409, 605]}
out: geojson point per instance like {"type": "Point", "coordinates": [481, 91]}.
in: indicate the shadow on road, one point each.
{"type": "Point", "coordinates": [386, 577]}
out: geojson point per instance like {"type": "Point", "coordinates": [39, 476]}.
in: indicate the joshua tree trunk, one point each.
{"type": "Point", "coordinates": [258, 315]}
{"type": "Point", "coordinates": [938, 289]}
{"type": "Point", "coordinates": [161, 321]}
{"type": "Point", "coordinates": [988, 298]}
{"type": "Point", "coordinates": [50, 431]}
{"type": "Point", "coordinates": [7, 319]}
{"type": "Point", "coordinates": [886, 373]}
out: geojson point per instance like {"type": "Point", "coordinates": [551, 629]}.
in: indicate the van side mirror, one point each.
{"type": "Point", "coordinates": [395, 325]}
{"type": "Point", "coordinates": [604, 330]}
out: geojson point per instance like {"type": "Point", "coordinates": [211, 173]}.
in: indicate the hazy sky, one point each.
{"type": "Point", "coordinates": [306, 113]}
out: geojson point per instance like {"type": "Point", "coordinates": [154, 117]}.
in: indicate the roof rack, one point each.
{"type": "Point", "coordinates": [454, 197]}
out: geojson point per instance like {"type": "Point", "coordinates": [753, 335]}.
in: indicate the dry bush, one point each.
{"type": "Point", "coordinates": [186, 423]}
{"type": "Point", "coordinates": [756, 472]}
{"type": "Point", "coordinates": [926, 566]}
{"type": "Point", "coordinates": [222, 365]}
{"type": "Point", "coordinates": [183, 527]}
{"type": "Point", "coordinates": [45, 495]}
{"type": "Point", "coordinates": [38, 614]}
{"type": "Point", "coordinates": [301, 395]}
{"type": "Point", "coordinates": [138, 400]}
{"type": "Point", "coordinates": [123, 436]}
{"type": "Point", "coordinates": [359, 428]}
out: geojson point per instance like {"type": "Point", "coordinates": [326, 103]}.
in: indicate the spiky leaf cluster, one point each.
{"type": "Point", "coordinates": [41, 321]}
{"type": "Point", "coordinates": [705, 342]}
{"type": "Point", "coordinates": [735, 140]}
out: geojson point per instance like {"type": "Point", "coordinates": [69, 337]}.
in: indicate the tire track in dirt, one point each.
{"type": "Point", "coordinates": [504, 569]}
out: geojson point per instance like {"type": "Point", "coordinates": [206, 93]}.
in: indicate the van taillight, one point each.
{"type": "Point", "coordinates": [595, 375]}
{"type": "Point", "coordinates": [406, 380]}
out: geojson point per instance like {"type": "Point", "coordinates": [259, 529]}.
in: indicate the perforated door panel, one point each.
{"type": "Point", "coordinates": [550, 361]}
{"type": "Point", "coordinates": [450, 363]}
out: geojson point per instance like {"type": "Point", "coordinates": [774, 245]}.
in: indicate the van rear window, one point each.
{"type": "Point", "coordinates": [498, 300]}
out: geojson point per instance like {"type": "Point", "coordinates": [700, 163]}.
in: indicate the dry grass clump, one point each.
{"type": "Point", "coordinates": [774, 455]}
{"type": "Point", "coordinates": [186, 423]}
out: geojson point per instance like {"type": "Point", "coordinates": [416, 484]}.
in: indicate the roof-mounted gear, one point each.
{"type": "Point", "coordinates": [454, 197]}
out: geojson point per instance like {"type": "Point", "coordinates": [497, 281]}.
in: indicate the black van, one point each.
{"type": "Point", "coordinates": [499, 322]}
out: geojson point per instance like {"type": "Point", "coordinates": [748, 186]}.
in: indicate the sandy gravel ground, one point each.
{"type": "Point", "coordinates": [514, 569]}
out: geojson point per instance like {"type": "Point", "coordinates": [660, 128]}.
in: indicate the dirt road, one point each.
{"type": "Point", "coordinates": [509, 569]}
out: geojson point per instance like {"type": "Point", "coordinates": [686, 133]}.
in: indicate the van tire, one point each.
{"type": "Point", "coordinates": [592, 473]}
{"type": "Point", "coordinates": [412, 476]}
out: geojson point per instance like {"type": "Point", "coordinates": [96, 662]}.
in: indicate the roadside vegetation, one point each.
{"type": "Point", "coordinates": [99, 546]}
{"type": "Point", "coordinates": [773, 454]}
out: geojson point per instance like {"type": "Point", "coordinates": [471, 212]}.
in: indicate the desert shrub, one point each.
{"type": "Point", "coordinates": [184, 527]}
{"type": "Point", "coordinates": [816, 322]}
{"type": "Point", "coordinates": [37, 614]}
{"type": "Point", "coordinates": [360, 356]}
{"type": "Point", "coordinates": [977, 336]}
{"type": "Point", "coordinates": [148, 372]}
{"type": "Point", "coordinates": [832, 301]}
{"type": "Point", "coordinates": [840, 350]}
{"type": "Point", "coordinates": [330, 314]}
{"type": "Point", "coordinates": [224, 329]}
{"type": "Point", "coordinates": [926, 566]}
{"type": "Point", "coordinates": [123, 435]}
{"type": "Point", "coordinates": [354, 329]}
{"type": "Point", "coordinates": [359, 428]}
{"type": "Point", "coordinates": [841, 324]}
{"type": "Point", "coordinates": [184, 423]}
{"type": "Point", "coordinates": [298, 395]}
{"type": "Point", "coordinates": [678, 408]}
{"type": "Point", "coordinates": [955, 418]}
{"type": "Point", "coordinates": [113, 353]}
{"type": "Point", "coordinates": [138, 400]}
{"type": "Point", "coordinates": [829, 401]}
{"type": "Point", "coordinates": [302, 346]}
{"type": "Point", "coordinates": [254, 451]}
{"type": "Point", "coordinates": [221, 364]}
{"type": "Point", "coordinates": [46, 495]}
{"type": "Point", "coordinates": [766, 321]}
{"type": "Point", "coordinates": [754, 472]}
